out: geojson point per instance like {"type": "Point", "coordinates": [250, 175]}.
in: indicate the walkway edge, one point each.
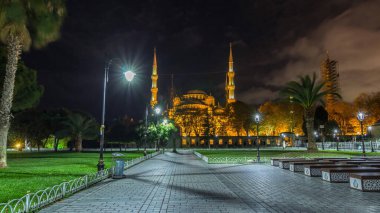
{"type": "Point", "coordinates": [33, 201]}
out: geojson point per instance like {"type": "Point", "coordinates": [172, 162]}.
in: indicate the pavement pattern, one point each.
{"type": "Point", "coordinates": [183, 183]}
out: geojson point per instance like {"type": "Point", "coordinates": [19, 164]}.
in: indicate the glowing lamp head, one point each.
{"type": "Point", "coordinates": [157, 110]}
{"type": "Point", "coordinates": [361, 116]}
{"type": "Point", "coordinates": [257, 118]}
{"type": "Point", "coordinates": [370, 128]}
{"type": "Point", "coordinates": [129, 75]}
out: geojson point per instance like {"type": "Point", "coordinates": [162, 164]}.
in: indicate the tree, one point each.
{"type": "Point", "coordinates": [307, 92]}
{"type": "Point", "coordinates": [27, 91]}
{"type": "Point", "coordinates": [280, 117]}
{"type": "Point", "coordinates": [32, 126]}
{"type": "Point", "coordinates": [239, 116]}
{"type": "Point", "coordinates": [23, 23]}
{"type": "Point", "coordinates": [80, 127]}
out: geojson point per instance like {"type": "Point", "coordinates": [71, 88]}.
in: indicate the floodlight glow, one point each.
{"type": "Point", "coordinates": [370, 128]}
{"type": "Point", "coordinates": [129, 75]}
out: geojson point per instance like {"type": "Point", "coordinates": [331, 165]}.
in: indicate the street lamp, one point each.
{"type": "Point", "coordinates": [257, 121]}
{"type": "Point", "coordinates": [129, 75]}
{"type": "Point", "coordinates": [157, 111]}
{"type": "Point", "coordinates": [361, 117]}
{"type": "Point", "coordinates": [337, 139]}
{"type": "Point", "coordinates": [370, 137]}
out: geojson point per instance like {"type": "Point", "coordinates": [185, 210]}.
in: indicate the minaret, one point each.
{"type": "Point", "coordinates": [330, 75]}
{"type": "Point", "coordinates": [154, 90]}
{"type": "Point", "coordinates": [230, 84]}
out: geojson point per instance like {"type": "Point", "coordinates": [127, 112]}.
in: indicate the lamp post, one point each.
{"type": "Point", "coordinates": [361, 117]}
{"type": "Point", "coordinates": [370, 137]}
{"type": "Point", "coordinates": [129, 75]}
{"type": "Point", "coordinates": [257, 120]}
{"type": "Point", "coordinates": [337, 139]}
{"type": "Point", "coordinates": [157, 112]}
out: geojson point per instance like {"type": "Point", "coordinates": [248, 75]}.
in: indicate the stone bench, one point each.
{"type": "Point", "coordinates": [370, 164]}
{"type": "Point", "coordinates": [341, 175]}
{"type": "Point", "coordinates": [358, 162]}
{"type": "Point", "coordinates": [276, 161]}
{"type": "Point", "coordinates": [366, 158]}
{"type": "Point", "coordinates": [346, 160]}
{"type": "Point", "coordinates": [300, 165]}
{"type": "Point", "coordinates": [368, 181]}
{"type": "Point", "coordinates": [285, 163]}
{"type": "Point", "coordinates": [314, 170]}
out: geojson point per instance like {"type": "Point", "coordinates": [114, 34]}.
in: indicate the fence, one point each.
{"type": "Point", "coordinates": [33, 201]}
{"type": "Point", "coordinates": [231, 160]}
{"type": "Point", "coordinates": [354, 146]}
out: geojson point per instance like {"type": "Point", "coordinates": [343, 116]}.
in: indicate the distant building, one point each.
{"type": "Point", "coordinates": [198, 115]}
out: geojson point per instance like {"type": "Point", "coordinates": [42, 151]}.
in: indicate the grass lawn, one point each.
{"type": "Point", "coordinates": [30, 172]}
{"type": "Point", "coordinates": [280, 153]}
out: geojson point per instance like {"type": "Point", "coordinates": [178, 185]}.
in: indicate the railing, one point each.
{"type": "Point", "coordinates": [231, 160]}
{"type": "Point", "coordinates": [354, 146]}
{"type": "Point", "coordinates": [33, 201]}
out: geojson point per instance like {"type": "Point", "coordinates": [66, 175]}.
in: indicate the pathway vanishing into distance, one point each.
{"type": "Point", "coordinates": [183, 183]}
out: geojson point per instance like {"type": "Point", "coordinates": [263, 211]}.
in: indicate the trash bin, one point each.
{"type": "Point", "coordinates": [119, 166]}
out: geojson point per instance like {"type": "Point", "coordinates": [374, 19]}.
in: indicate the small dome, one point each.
{"type": "Point", "coordinates": [196, 92]}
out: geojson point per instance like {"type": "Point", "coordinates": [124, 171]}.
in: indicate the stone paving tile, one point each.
{"type": "Point", "coordinates": [182, 183]}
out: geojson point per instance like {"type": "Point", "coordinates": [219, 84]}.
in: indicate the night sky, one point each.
{"type": "Point", "coordinates": [273, 41]}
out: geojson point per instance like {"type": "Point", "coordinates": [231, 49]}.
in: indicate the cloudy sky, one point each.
{"type": "Point", "coordinates": [273, 42]}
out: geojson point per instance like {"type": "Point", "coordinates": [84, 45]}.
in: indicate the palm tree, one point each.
{"type": "Point", "coordinates": [80, 127]}
{"type": "Point", "coordinates": [23, 23]}
{"type": "Point", "coordinates": [307, 93]}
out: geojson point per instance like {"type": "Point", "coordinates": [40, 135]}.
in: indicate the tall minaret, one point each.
{"type": "Point", "coordinates": [154, 90]}
{"type": "Point", "coordinates": [230, 84]}
{"type": "Point", "coordinates": [330, 75]}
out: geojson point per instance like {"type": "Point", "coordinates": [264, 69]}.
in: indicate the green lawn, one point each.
{"type": "Point", "coordinates": [280, 153]}
{"type": "Point", "coordinates": [30, 172]}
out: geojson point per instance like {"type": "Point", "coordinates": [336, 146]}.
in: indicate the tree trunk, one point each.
{"type": "Point", "coordinates": [78, 144]}
{"type": "Point", "coordinates": [309, 117]}
{"type": "Point", "coordinates": [14, 51]}
{"type": "Point", "coordinates": [56, 141]}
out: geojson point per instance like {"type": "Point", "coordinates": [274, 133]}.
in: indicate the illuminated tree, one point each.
{"type": "Point", "coordinates": [281, 117]}
{"type": "Point", "coordinates": [307, 92]}
{"type": "Point", "coordinates": [23, 23]}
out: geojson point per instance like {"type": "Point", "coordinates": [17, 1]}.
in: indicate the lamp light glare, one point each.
{"type": "Point", "coordinates": [157, 110]}
{"type": "Point", "coordinates": [129, 75]}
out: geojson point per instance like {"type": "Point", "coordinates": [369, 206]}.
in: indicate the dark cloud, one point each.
{"type": "Point", "coordinates": [352, 38]}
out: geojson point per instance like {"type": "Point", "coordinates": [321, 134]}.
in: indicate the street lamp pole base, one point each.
{"type": "Point", "coordinates": [100, 165]}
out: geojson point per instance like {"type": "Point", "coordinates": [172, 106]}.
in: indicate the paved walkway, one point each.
{"type": "Point", "coordinates": [183, 183]}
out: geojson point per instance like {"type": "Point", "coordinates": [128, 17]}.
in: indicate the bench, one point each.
{"type": "Point", "coordinates": [300, 165]}
{"type": "Point", "coordinates": [314, 170]}
{"type": "Point", "coordinates": [285, 163]}
{"type": "Point", "coordinates": [341, 175]}
{"type": "Point", "coordinates": [370, 164]}
{"type": "Point", "coordinates": [367, 181]}
{"type": "Point", "coordinates": [276, 161]}
{"type": "Point", "coordinates": [366, 158]}
{"type": "Point", "coordinates": [346, 160]}
{"type": "Point", "coordinates": [358, 162]}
